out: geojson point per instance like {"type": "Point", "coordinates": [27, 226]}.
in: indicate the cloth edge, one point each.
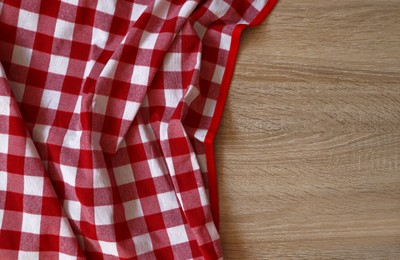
{"type": "Point", "coordinates": [225, 85]}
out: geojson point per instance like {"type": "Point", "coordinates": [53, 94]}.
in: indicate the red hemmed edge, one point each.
{"type": "Point", "coordinates": [226, 81]}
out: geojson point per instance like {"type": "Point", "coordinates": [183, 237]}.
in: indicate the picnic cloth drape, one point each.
{"type": "Point", "coordinates": [108, 111]}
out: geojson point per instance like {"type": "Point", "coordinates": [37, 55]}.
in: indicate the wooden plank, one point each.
{"type": "Point", "coordinates": [308, 152]}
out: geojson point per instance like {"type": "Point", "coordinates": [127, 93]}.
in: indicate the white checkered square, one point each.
{"type": "Point", "coordinates": [203, 196]}
{"type": "Point", "coordinates": [78, 105]}
{"type": "Point", "coordinates": [31, 223]}
{"type": "Point", "coordinates": [109, 70]}
{"type": "Point", "coordinates": [22, 56]}
{"type": "Point", "coordinates": [130, 110]}
{"type": "Point", "coordinates": [137, 11]}
{"type": "Point", "coordinates": [72, 2]}
{"type": "Point", "coordinates": [212, 230]}
{"type": "Point", "coordinates": [50, 99]}
{"type": "Point", "coordinates": [69, 174]}
{"type": "Point", "coordinates": [73, 209]}
{"type": "Point", "coordinates": [146, 134]}
{"type": "Point", "coordinates": [101, 178]}
{"type": "Point", "coordinates": [133, 209]}
{"type": "Point", "coordinates": [5, 105]}
{"type": "Point", "coordinates": [3, 143]}
{"type": "Point", "coordinates": [143, 244]}
{"type": "Point", "coordinates": [148, 40]}
{"type": "Point", "coordinates": [172, 62]}
{"type": "Point", "coordinates": [33, 185]}
{"type": "Point", "coordinates": [200, 134]}
{"type": "Point", "coordinates": [30, 150]}
{"type": "Point", "coordinates": [88, 68]}
{"type": "Point", "coordinates": [218, 74]}
{"type": "Point", "coordinates": [157, 167]}
{"type": "Point", "coordinates": [209, 107]}
{"type": "Point", "coordinates": [18, 90]}
{"type": "Point", "coordinates": [187, 8]}
{"type": "Point", "coordinates": [191, 94]}
{"type": "Point", "coordinates": [72, 139]}
{"type": "Point", "coordinates": [123, 174]}
{"type": "Point", "coordinates": [3, 180]}
{"type": "Point", "coordinates": [65, 229]}
{"type": "Point", "coordinates": [202, 160]}
{"type": "Point", "coordinates": [172, 97]}
{"type": "Point", "coordinates": [259, 4]}
{"type": "Point", "coordinates": [28, 20]}
{"type": "Point", "coordinates": [140, 75]}
{"type": "Point", "coordinates": [170, 164]}
{"type": "Point", "coordinates": [66, 257]}
{"type": "Point", "coordinates": [40, 133]}
{"type": "Point", "coordinates": [167, 201]}
{"type": "Point", "coordinates": [31, 255]}
{"type": "Point", "coordinates": [103, 215]}
{"type": "Point", "coordinates": [1, 217]}
{"type": "Point", "coordinates": [99, 38]}
{"type": "Point", "coordinates": [193, 160]}
{"type": "Point", "coordinates": [107, 6]}
{"type": "Point", "coordinates": [58, 64]}
{"type": "Point", "coordinates": [64, 30]}
{"type": "Point", "coordinates": [177, 235]}
{"type": "Point", "coordinates": [108, 248]}
{"type": "Point", "coordinates": [219, 8]}
{"type": "Point", "coordinates": [200, 29]}
{"type": "Point", "coordinates": [225, 43]}
{"type": "Point", "coordinates": [99, 104]}
{"type": "Point", "coordinates": [161, 8]}
{"type": "Point", "coordinates": [163, 131]}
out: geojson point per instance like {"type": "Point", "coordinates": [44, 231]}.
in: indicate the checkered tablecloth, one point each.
{"type": "Point", "coordinates": [108, 110]}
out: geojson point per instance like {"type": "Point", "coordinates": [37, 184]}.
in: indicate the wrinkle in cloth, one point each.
{"type": "Point", "coordinates": [108, 110]}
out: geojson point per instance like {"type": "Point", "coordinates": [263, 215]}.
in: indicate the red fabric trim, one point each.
{"type": "Point", "coordinates": [226, 81]}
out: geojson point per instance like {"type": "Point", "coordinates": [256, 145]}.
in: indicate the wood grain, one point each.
{"type": "Point", "coordinates": [308, 151]}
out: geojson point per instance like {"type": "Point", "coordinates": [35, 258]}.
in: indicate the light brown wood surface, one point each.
{"type": "Point", "coordinates": [308, 151]}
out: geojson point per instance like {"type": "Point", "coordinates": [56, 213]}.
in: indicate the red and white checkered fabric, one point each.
{"type": "Point", "coordinates": [106, 113]}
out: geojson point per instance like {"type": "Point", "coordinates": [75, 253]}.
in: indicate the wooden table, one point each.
{"type": "Point", "coordinates": [308, 152]}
